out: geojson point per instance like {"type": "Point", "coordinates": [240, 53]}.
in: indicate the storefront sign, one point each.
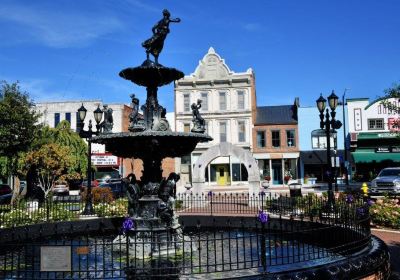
{"type": "Point", "coordinates": [382, 150]}
{"type": "Point", "coordinates": [104, 160]}
{"type": "Point", "coordinates": [395, 149]}
{"type": "Point", "coordinates": [55, 258]}
{"type": "Point", "coordinates": [387, 135]}
{"type": "Point", "coordinates": [387, 150]}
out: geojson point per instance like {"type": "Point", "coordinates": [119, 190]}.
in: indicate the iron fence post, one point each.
{"type": "Point", "coordinates": [263, 248]}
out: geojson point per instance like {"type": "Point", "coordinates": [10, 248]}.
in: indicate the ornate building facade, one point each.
{"type": "Point", "coordinates": [228, 100]}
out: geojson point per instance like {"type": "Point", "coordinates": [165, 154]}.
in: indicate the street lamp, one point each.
{"type": "Point", "coordinates": [329, 124]}
{"type": "Point", "coordinates": [98, 114]}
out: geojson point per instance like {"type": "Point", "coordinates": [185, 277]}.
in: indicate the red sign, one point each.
{"type": "Point", "coordinates": [394, 124]}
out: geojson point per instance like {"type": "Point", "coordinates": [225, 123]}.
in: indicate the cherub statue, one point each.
{"type": "Point", "coordinates": [167, 194]}
{"type": "Point", "coordinates": [108, 122]}
{"type": "Point", "coordinates": [198, 121]}
{"type": "Point", "coordinates": [133, 194]}
{"type": "Point", "coordinates": [155, 44]}
{"type": "Point", "coordinates": [136, 123]}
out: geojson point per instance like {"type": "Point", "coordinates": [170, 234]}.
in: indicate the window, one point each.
{"type": "Point", "coordinates": [186, 103]}
{"type": "Point", "coordinates": [68, 117]}
{"type": "Point", "coordinates": [242, 131]}
{"type": "Point", "coordinates": [276, 138]}
{"type": "Point", "coordinates": [290, 138]}
{"type": "Point", "coordinates": [56, 119]}
{"type": "Point", "coordinates": [222, 132]}
{"type": "Point", "coordinates": [185, 159]}
{"type": "Point", "coordinates": [204, 101]}
{"type": "Point", "coordinates": [318, 139]}
{"type": "Point", "coordinates": [261, 139]}
{"type": "Point", "coordinates": [186, 127]}
{"type": "Point", "coordinates": [240, 96]}
{"type": "Point", "coordinates": [375, 124]}
{"type": "Point", "coordinates": [222, 101]}
{"type": "Point", "coordinates": [78, 122]}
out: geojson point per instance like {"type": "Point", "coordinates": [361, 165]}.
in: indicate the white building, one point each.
{"type": "Point", "coordinates": [373, 132]}
{"type": "Point", "coordinates": [228, 99]}
{"type": "Point", "coordinates": [55, 112]}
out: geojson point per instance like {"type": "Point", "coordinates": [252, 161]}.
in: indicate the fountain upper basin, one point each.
{"type": "Point", "coordinates": [157, 143]}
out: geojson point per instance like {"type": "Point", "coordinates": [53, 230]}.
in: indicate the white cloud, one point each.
{"type": "Point", "coordinates": [59, 28]}
{"type": "Point", "coordinates": [143, 6]}
{"type": "Point", "coordinates": [251, 26]}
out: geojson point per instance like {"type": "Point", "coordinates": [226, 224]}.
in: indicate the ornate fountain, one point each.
{"type": "Point", "coordinates": [151, 199]}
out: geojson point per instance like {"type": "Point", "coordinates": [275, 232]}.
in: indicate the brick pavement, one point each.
{"type": "Point", "coordinates": [392, 239]}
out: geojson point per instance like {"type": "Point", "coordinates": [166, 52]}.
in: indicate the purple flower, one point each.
{"type": "Point", "coordinates": [210, 193]}
{"type": "Point", "coordinates": [349, 198]}
{"type": "Point", "coordinates": [360, 211]}
{"type": "Point", "coordinates": [370, 202]}
{"type": "Point", "coordinates": [127, 225]}
{"type": "Point", "coordinates": [263, 217]}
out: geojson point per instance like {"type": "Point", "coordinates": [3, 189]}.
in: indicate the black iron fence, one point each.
{"type": "Point", "coordinates": [68, 208]}
{"type": "Point", "coordinates": [311, 205]}
{"type": "Point", "coordinates": [232, 247]}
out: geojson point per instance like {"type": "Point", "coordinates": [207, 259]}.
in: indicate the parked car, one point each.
{"type": "Point", "coordinates": [60, 189]}
{"type": "Point", "coordinates": [116, 185]}
{"type": "Point", "coordinates": [388, 181]}
{"type": "Point", "coordinates": [5, 194]}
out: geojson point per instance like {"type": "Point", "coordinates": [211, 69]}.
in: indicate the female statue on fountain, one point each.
{"type": "Point", "coordinates": [155, 44]}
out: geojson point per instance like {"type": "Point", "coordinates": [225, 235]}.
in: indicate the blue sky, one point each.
{"type": "Point", "coordinates": [75, 49]}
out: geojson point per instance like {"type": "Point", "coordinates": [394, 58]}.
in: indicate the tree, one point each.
{"type": "Point", "coordinates": [392, 92]}
{"type": "Point", "coordinates": [51, 162]}
{"type": "Point", "coordinates": [64, 136]}
{"type": "Point", "coordinates": [18, 125]}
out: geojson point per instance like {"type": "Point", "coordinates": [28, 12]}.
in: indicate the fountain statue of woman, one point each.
{"type": "Point", "coordinates": [155, 44]}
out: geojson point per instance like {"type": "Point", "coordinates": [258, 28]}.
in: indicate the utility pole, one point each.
{"type": "Point", "coordinates": [346, 165]}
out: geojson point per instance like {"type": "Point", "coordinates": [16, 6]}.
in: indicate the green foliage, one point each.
{"type": "Point", "coordinates": [178, 204]}
{"type": "Point", "coordinates": [117, 208]}
{"type": "Point", "coordinates": [51, 162]}
{"type": "Point", "coordinates": [18, 125]}
{"type": "Point", "coordinates": [22, 217]}
{"type": "Point", "coordinates": [64, 136]}
{"type": "Point", "coordinates": [386, 212]}
{"type": "Point", "coordinates": [392, 92]}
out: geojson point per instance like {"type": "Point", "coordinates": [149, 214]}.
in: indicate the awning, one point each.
{"type": "Point", "coordinates": [319, 156]}
{"type": "Point", "coordinates": [368, 155]}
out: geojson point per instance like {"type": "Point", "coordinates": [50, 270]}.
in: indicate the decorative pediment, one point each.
{"type": "Point", "coordinates": [212, 67]}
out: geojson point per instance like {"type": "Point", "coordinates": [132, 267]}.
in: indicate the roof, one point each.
{"type": "Point", "coordinates": [283, 114]}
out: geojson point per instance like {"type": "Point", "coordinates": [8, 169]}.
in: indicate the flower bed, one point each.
{"type": "Point", "coordinates": [386, 213]}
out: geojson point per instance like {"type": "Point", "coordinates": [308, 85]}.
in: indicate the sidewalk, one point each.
{"type": "Point", "coordinates": [392, 239]}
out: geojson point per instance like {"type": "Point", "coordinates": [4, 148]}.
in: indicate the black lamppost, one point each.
{"type": "Point", "coordinates": [98, 114]}
{"type": "Point", "coordinates": [329, 124]}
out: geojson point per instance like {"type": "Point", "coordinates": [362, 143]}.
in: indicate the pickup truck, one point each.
{"type": "Point", "coordinates": [388, 181]}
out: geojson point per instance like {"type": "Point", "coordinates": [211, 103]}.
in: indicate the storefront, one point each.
{"type": "Point", "coordinates": [224, 171]}
{"type": "Point", "coordinates": [374, 152]}
{"type": "Point", "coordinates": [278, 166]}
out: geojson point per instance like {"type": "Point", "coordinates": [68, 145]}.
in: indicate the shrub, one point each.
{"type": "Point", "coordinates": [117, 208]}
{"type": "Point", "coordinates": [99, 194]}
{"type": "Point", "coordinates": [386, 212]}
